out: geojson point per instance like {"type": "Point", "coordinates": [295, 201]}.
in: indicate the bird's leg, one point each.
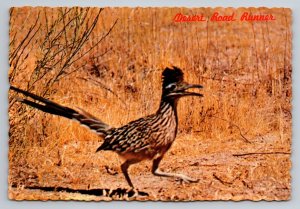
{"type": "Point", "coordinates": [156, 171]}
{"type": "Point", "coordinates": [125, 167]}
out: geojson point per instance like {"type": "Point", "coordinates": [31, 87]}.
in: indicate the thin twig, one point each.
{"type": "Point", "coordinates": [241, 134]}
{"type": "Point", "coordinates": [226, 182]}
{"type": "Point", "coordinates": [102, 86]}
{"type": "Point", "coordinates": [261, 153]}
{"type": "Point", "coordinates": [84, 53]}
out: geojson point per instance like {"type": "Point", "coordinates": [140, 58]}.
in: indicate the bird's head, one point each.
{"type": "Point", "coordinates": [174, 86]}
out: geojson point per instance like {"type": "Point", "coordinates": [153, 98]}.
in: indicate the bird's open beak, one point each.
{"type": "Point", "coordinates": [186, 87]}
{"type": "Point", "coordinates": [181, 91]}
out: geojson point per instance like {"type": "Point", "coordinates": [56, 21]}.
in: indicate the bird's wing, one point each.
{"type": "Point", "coordinates": [83, 117]}
{"type": "Point", "coordinates": [128, 138]}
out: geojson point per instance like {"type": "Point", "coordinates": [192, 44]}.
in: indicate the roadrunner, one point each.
{"type": "Point", "coordinates": [146, 138]}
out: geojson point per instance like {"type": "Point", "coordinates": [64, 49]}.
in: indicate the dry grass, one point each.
{"type": "Point", "coordinates": [245, 68]}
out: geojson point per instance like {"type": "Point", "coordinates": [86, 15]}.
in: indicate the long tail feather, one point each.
{"type": "Point", "coordinates": [83, 117]}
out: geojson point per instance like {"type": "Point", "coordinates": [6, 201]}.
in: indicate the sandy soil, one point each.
{"type": "Point", "coordinates": [237, 175]}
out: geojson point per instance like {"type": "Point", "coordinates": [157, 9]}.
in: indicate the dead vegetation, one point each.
{"type": "Point", "coordinates": [236, 140]}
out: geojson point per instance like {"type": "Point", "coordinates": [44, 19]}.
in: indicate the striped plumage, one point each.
{"type": "Point", "coordinates": [159, 129]}
{"type": "Point", "coordinates": [146, 138]}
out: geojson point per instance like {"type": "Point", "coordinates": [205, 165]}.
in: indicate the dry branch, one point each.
{"type": "Point", "coordinates": [234, 125]}
{"type": "Point", "coordinates": [261, 153]}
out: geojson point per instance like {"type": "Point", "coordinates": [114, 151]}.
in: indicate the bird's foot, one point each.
{"type": "Point", "coordinates": [179, 176]}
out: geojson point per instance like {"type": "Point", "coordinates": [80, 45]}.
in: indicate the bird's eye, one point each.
{"type": "Point", "coordinates": [171, 86]}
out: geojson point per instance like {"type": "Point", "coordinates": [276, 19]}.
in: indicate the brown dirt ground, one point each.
{"type": "Point", "coordinates": [222, 175]}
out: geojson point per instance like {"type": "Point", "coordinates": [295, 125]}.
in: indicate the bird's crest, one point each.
{"type": "Point", "coordinates": [172, 75]}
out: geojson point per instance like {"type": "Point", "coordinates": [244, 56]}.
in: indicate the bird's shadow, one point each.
{"type": "Point", "coordinates": [118, 193]}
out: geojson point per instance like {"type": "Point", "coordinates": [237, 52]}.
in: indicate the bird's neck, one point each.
{"type": "Point", "coordinates": [168, 106]}
{"type": "Point", "coordinates": [168, 109]}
